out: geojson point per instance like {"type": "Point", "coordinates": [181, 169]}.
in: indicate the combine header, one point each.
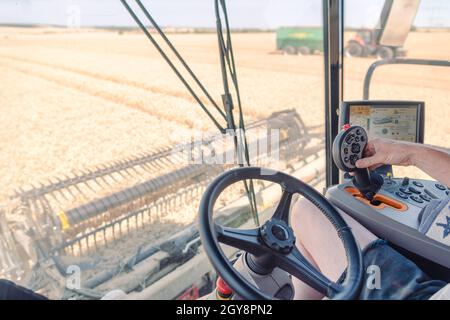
{"type": "Point", "coordinates": [78, 218]}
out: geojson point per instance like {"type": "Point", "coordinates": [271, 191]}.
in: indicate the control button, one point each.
{"type": "Point", "coordinates": [356, 148]}
{"type": "Point", "coordinates": [356, 139]}
{"type": "Point", "coordinates": [418, 184]}
{"type": "Point", "coordinates": [430, 194]}
{"type": "Point", "coordinates": [405, 191]}
{"type": "Point", "coordinates": [425, 197]}
{"type": "Point", "coordinates": [388, 180]}
{"type": "Point", "coordinates": [223, 288]}
{"type": "Point", "coordinates": [440, 186]}
{"type": "Point", "coordinates": [447, 192]}
{"type": "Point", "coordinates": [401, 195]}
{"type": "Point", "coordinates": [416, 199]}
{"type": "Point", "coordinates": [346, 150]}
{"type": "Point", "coordinates": [414, 190]}
{"type": "Point", "coordinates": [353, 159]}
{"type": "Point", "coordinates": [358, 132]}
{"type": "Point", "coordinates": [349, 138]}
{"type": "Point", "coordinates": [362, 139]}
{"type": "Point", "coordinates": [346, 159]}
{"type": "Point", "coordinates": [405, 181]}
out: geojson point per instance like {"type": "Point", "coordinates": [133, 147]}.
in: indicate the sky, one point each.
{"type": "Point", "coordinates": [265, 14]}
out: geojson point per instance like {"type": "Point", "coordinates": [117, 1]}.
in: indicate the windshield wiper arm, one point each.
{"type": "Point", "coordinates": [172, 66]}
{"type": "Point", "coordinates": [227, 63]}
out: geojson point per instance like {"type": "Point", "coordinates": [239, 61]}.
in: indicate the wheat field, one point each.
{"type": "Point", "coordinates": [75, 99]}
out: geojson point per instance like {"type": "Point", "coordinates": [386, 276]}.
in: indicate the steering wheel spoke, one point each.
{"type": "Point", "coordinates": [244, 239]}
{"type": "Point", "coordinates": [297, 265]}
{"type": "Point", "coordinates": [284, 206]}
{"type": "Point", "coordinates": [273, 244]}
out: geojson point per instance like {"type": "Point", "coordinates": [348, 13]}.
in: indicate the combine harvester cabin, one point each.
{"type": "Point", "coordinates": [115, 216]}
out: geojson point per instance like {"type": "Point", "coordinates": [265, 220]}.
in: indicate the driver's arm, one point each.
{"type": "Point", "coordinates": [435, 162]}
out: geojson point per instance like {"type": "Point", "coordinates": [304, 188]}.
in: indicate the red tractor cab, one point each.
{"type": "Point", "coordinates": [365, 44]}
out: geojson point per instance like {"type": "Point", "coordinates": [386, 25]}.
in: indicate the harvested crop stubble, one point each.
{"type": "Point", "coordinates": [72, 100]}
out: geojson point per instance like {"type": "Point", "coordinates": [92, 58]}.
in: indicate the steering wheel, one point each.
{"type": "Point", "coordinates": [273, 244]}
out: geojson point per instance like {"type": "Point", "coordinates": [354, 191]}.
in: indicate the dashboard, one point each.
{"type": "Point", "coordinates": [395, 213]}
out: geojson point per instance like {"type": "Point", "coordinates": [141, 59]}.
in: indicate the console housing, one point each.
{"type": "Point", "coordinates": [397, 217]}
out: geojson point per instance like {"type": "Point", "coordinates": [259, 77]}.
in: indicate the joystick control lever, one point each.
{"type": "Point", "coordinates": [348, 148]}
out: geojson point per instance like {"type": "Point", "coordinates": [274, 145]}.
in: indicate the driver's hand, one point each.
{"type": "Point", "coordinates": [380, 152]}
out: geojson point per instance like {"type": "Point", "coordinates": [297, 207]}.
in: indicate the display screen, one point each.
{"type": "Point", "coordinates": [398, 123]}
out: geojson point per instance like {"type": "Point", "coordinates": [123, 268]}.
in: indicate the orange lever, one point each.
{"type": "Point", "coordinates": [383, 201]}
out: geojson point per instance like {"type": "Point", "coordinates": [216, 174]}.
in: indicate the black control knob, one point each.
{"type": "Point", "coordinates": [405, 181]}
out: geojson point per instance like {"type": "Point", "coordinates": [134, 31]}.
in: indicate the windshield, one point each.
{"type": "Point", "coordinates": [426, 39]}
{"type": "Point", "coordinates": [106, 153]}
{"type": "Point", "coordinates": [109, 142]}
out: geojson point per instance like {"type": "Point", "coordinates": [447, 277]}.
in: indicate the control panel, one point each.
{"type": "Point", "coordinates": [395, 213]}
{"type": "Point", "coordinates": [395, 209]}
{"type": "Point", "coordinates": [414, 192]}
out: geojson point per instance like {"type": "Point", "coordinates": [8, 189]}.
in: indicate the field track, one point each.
{"type": "Point", "coordinates": [73, 100]}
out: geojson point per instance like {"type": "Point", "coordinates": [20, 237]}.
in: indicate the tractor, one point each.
{"type": "Point", "coordinates": [385, 41]}
{"type": "Point", "coordinates": [365, 44]}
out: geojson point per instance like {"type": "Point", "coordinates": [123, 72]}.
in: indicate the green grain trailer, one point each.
{"type": "Point", "coordinates": [303, 40]}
